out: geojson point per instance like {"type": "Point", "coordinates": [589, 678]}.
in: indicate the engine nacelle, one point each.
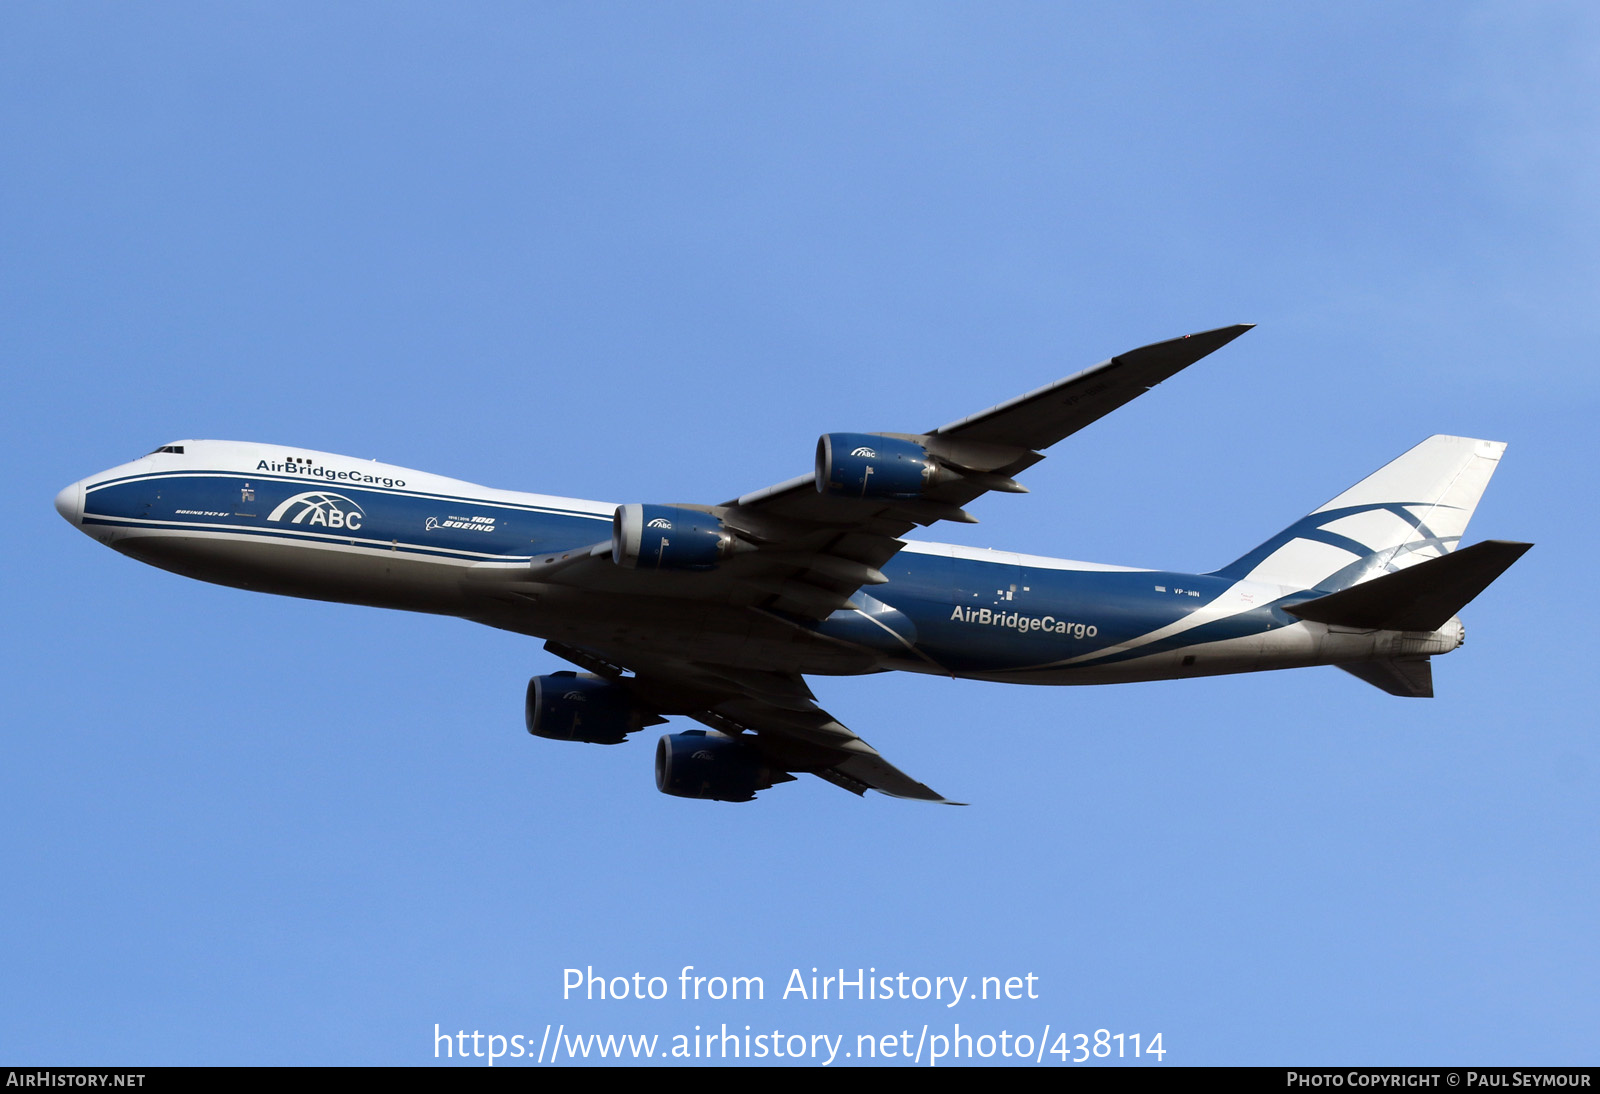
{"type": "Point", "coordinates": [668, 537]}
{"type": "Point", "coordinates": [697, 764]}
{"type": "Point", "coordinates": [567, 707]}
{"type": "Point", "coordinates": [865, 465]}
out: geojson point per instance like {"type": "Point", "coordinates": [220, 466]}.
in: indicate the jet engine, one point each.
{"type": "Point", "coordinates": [565, 706]}
{"type": "Point", "coordinates": [668, 537]}
{"type": "Point", "coordinates": [868, 465]}
{"type": "Point", "coordinates": [697, 764]}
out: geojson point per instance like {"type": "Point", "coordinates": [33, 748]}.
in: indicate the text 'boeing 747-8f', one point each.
{"type": "Point", "coordinates": [719, 612]}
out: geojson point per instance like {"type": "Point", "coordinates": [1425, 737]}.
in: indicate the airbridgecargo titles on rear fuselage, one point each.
{"type": "Point", "coordinates": [719, 612]}
{"type": "Point", "coordinates": [1018, 622]}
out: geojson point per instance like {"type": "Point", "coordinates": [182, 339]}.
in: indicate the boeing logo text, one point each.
{"type": "Point", "coordinates": [718, 613]}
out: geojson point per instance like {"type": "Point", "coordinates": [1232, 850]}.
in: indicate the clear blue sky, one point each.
{"type": "Point", "coordinates": [650, 252]}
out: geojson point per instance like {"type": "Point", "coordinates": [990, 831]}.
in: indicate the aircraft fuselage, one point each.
{"type": "Point", "coordinates": [327, 527]}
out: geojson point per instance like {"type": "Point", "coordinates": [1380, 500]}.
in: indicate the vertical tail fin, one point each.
{"type": "Point", "coordinates": [1410, 510]}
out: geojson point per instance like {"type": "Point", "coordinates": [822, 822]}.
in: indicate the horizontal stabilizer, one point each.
{"type": "Point", "coordinates": [1413, 679]}
{"type": "Point", "coordinates": [1419, 598]}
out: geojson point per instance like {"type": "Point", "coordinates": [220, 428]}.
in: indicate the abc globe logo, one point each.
{"type": "Point", "coordinates": [321, 509]}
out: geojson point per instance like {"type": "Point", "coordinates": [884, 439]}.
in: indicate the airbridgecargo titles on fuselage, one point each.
{"type": "Point", "coordinates": [718, 612]}
{"type": "Point", "coordinates": [1018, 622]}
{"type": "Point", "coordinates": [317, 471]}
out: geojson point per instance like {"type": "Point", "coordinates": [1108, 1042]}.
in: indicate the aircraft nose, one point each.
{"type": "Point", "coordinates": [69, 503]}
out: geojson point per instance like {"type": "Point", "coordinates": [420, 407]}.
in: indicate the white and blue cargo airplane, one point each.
{"type": "Point", "coordinates": [718, 612]}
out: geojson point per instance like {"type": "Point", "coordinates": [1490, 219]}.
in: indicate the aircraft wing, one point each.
{"type": "Point", "coordinates": [1048, 414]}
{"type": "Point", "coordinates": [795, 554]}
{"type": "Point", "coordinates": [995, 444]}
{"type": "Point", "coordinates": [790, 730]}
{"type": "Point", "coordinates": [804, 552]}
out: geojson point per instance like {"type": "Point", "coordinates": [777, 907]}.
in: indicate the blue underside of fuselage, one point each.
{"type": "Point", "coordinates": [964, 615]}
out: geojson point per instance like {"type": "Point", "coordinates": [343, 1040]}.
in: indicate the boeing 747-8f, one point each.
{"type": "Point", "coordinates": [719, 612]}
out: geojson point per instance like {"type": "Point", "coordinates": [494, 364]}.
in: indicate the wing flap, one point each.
{"type": "Point", "coordinates": [879, 774]}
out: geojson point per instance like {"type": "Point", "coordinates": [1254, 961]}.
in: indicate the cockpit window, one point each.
{"type": "Point", "coordinates": [175, 449]}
